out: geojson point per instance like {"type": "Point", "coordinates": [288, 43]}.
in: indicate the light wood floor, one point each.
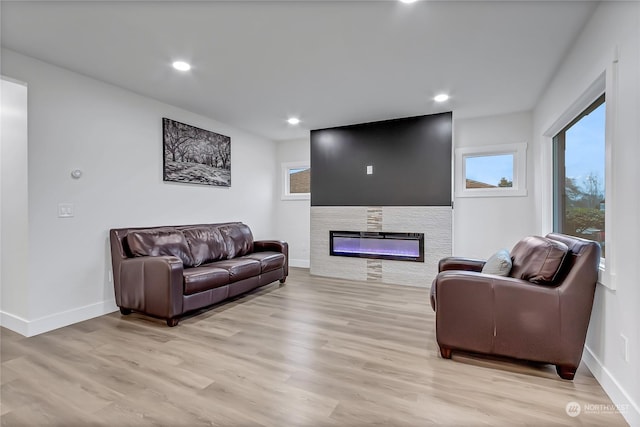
{"type": "Point", "coordinates": [315, 352]}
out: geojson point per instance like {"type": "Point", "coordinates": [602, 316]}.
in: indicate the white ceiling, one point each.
{"type": "Point", "coordinates": [329, 62]}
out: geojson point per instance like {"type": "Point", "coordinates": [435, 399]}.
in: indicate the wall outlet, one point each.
{"type": "Point", "coordinates": [625, 348]}
{"type": "Point", "coordinates": [110, 276]}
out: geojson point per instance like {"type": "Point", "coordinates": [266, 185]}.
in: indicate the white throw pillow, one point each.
{"type": "Point", "coordinates": [499, 264]}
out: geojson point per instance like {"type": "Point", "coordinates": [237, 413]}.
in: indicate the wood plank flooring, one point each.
{"type": "Point", "coordinates": [314, 352]}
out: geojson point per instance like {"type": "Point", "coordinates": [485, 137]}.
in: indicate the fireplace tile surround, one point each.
{"type": "Point", "coordinates": [434, 221]}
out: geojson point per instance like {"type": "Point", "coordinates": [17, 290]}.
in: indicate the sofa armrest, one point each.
{"type": "Point", "coordinates": [153, 285]}
{"type": "Point", "coordinates": [275, 246]}
{"type": "Point", "coordinates": [271, 245]}
{"type": "Point", "coordinates": [458, 263]}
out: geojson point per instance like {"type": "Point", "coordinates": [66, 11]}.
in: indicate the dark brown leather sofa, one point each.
{"type": "Point", "coordinates": [168, 271]}
{"type": "Point", "coordinates": [538, 312]}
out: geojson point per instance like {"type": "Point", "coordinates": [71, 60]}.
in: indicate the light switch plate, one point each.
{"type": "Point", "coordinates": [65, 210]}
{"type": "Point", "coordinates": [370, 170]}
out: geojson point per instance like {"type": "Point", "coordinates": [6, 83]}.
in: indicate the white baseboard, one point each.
{"type": "Point", "coordinates": [29, 328]}
{"type": "Point", "coordinates": [300, 263]}
{"type": "Point", "coordinates": [15, 323]}
{"type": "Point", "coordinates": [627, 407]}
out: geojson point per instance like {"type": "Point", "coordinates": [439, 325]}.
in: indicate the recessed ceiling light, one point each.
{"type": "Point", "coordinates": [181, 66]}
{"type": "Point", "coordinates": [293, 120]}
{"type": "Point", "coordinates": [441, 98]}
{"type": "Point", "coordinates": [408, 1]}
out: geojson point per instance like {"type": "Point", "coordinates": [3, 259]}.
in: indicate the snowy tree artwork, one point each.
{"type": "Point", "coordinates": [195, 156]}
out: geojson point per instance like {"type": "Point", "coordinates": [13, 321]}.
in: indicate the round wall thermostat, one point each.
{"type": "Point", "coordinates": [76, 174]}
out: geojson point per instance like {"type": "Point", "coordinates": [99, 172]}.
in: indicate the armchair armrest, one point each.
{"type": "Point", "coordinates": [459, 263]}
{"type": "Point", "coordinates": [152, 285]}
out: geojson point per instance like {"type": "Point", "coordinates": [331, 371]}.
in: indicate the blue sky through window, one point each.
{"type": "Point", "coordinates": [292, 171]}
{"type": "Point", "coordinates": [489, 169]}
{"type": "Point", "coordinates": [584, 148]}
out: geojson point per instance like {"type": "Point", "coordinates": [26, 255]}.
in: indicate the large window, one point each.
{"type": "Point", "coordinates": [579, 176]}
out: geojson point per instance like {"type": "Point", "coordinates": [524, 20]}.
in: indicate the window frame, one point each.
{"type": "Point", "coordinates": [606, 83]}
{"type": "Point", "coordinates": [286, 184]}
{"type": "Point", "coordinates": [559, 180]}
{"type": "Point", "coordinates": [519, 153]}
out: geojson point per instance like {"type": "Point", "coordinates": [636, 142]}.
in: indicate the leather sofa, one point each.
{"type": "Point", "coordinates": [539, 312]}
{"type": "Point", "coordinates": [166, 272]}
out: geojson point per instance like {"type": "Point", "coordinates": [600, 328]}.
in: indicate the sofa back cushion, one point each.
{"type": "Point", "coordinates": [238, 239]}
{"type": "Point", "coordinates": [538, 259]}
{"type": "Point", "coordinates": [160, 242]}
{"type": "Point", "coordinates": [206, 244]}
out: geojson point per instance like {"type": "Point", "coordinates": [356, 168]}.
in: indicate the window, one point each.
{"type": "Point", "coordinates": [496, 170]}
{"type": "Point", "coordinates": [296, 178]}
{"type": "Point", "coordinates": [579, 176]}
{"type": "Point", "coordinates": [490, 171]}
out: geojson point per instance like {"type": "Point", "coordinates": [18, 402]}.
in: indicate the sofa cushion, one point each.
{"type": "Point", "coordinates": [537, 259]}
{"type": "Point", "coordinates": [206, 244]}
{"type": "Point", "coordinates": [269, 261]}
{"type": "Point", "coordinates": [498, 264]}
{"type": "Point", "coordinates": [238, 239]}
{"type": "Point", "coordinates": [160, 242]}
{"type": "Point", "coordinates": [239, 268]}
{"type": "Point", "coordinates": [200, 279]}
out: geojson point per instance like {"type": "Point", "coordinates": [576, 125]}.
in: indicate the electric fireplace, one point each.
{"type": "Point", "coordinates": [377, 245]}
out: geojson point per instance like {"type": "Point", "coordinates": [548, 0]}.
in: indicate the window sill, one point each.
{"type": "Point", "coordinates": [490, 192]}
{"type": "Point", "coordinates": [305, 196]}
{"type": "Point", "coordinates": [605, 278]}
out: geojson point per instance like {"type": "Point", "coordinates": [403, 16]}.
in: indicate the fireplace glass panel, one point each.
{"type": "Point", "coordinates": [378, 245]}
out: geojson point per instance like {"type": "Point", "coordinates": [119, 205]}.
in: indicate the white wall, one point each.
{"type": "Point", "coordinates": [114, 136]}
{"type": "Point", "coordinates": [13, 189]}
{"type": "Point", "coordinates": [615, 26]}
{"type": "Point", "coordinates": [293, 216]}
{"type": "Point", "coordinates": [482, 225]}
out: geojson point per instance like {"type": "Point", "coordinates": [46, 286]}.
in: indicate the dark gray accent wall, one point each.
{"type": "Point", "coordinates": [411, 160]}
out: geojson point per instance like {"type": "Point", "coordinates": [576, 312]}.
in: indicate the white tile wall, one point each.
{"type": "Point", "coordinates": [433, 221]}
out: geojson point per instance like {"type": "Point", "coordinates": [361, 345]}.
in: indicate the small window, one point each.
{"type": "Point", "coordinates": [492, 171]}
{"type": "Point", "coordinates": [296, 179]}
{"type": "Point", "coordinates": [497, 170]}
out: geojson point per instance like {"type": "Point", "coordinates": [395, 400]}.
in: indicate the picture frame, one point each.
{"type": "Point", "coordinates": [192, 155]}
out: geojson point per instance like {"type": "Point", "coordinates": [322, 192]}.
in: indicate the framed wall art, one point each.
{"type": "Point", "coordinates": [195, 156]}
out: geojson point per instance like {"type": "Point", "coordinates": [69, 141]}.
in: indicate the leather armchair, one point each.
{"type": "Point", "coordinates": [513, 317]}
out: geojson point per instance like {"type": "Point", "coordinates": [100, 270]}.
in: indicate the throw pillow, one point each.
{"type": "Point", "coordinates": [498, 264]}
